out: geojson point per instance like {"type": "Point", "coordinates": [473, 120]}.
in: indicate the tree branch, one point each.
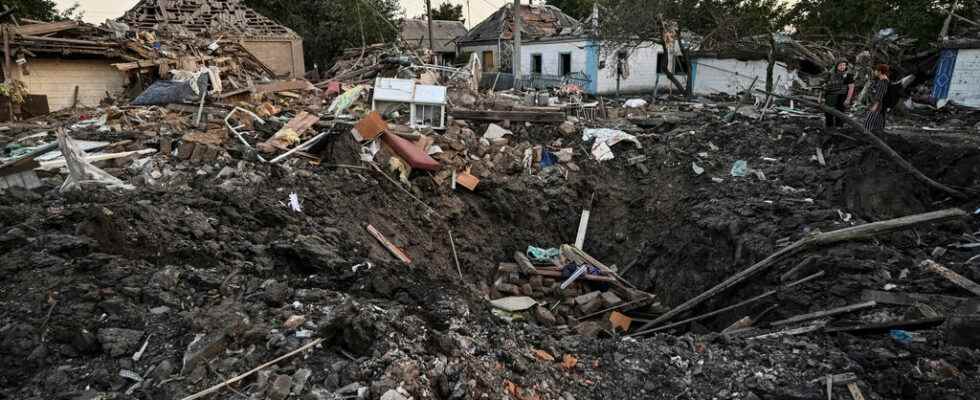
{"type": "Point", "coordinates": [878, 143]}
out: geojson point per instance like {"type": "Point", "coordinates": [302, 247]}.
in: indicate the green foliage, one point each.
{"type": "Point", "coordinates": [578, 9]}
{"type": "Point", "coordinates": [329, 27]}
{"type": "Point", "coordinates": [918, 19]}
{"type": "Point", "coordinates": [448, 12]}
{"type": "Point", "coordinates": [41, 10]}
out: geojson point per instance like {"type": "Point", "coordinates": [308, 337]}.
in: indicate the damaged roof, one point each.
{"type": "Point", "coordinates": [537, 21]}
{"type": "Point", "coordinates": [212, 17]}
{"type": "Point", "coordinates": [444, 34]}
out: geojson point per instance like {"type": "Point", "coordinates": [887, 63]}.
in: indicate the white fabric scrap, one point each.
{"type": "Point", "coordinates": [604, 140]}
{"type": "Point", "coordinates": [294, 202]}
{"type": "Point", "coordinates": [495, 132]}
{"type": "Point", "coordinates": [635, 103]}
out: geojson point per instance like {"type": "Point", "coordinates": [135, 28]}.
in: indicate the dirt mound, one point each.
{"type": "Point", "coordinates": [205, 272]}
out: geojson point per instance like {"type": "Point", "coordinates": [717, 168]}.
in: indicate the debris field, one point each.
{"type": "Point", "coordinates": [223, 233]}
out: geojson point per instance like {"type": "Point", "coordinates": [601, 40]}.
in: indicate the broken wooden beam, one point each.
{"type": "Point", "coordinates": [909, 325]}
{"type": "Point", "coordinates": [580, 257]}
{"type": "Point", "coordinates": [821, 239]}
{"type": "Point", "coordinates": [879, 144]}
{"type": "Point", "coordinates": [837, 379]}
{"type": "Point", "coordinates": [550, 273]}
{"type": "Point", "coordinates": [952, 276]}
{"type": "Point", "coordinates": [514, 116]}
{"type": "Point", "coordinates": [523, 262]}
{"type": "Point", "coordinates": [388, 245]}
{"type": "Point", "coordinates": [45, 28]}
{"type": "Point", "coordinates": [55, 164]}
{"type": "Point", "coordinates": [825, 313]}
{"type": "Point", "coordinates": [789, 332]}
{"type": "Point", "coordinates": [908, 299]}
{"type": "Point", "coordinates": [731, 307]}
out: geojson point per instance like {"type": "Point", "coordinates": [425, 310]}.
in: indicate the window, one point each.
{"type": "Point", "coordinates": [427, 115]}
{"type": "Point", "coordinates": [565, 64]}
{"type": "Point", "coordinates": [681, 65]}
{"type": "Point", "coordinates": [488, 61]}
{"type": "Point", "coordinates": [535, 63]}
{"type": "Point", "coordinates": [661, 63]}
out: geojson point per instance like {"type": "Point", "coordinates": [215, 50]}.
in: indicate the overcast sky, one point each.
{"type": "Point", "coordinates": [97, 11]}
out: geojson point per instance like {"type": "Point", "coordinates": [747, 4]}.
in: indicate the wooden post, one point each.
{"type": "Point", "coordinates": [825, 313]}
{"type": "Point", "coordinates": [517, 41]}
{"type": "Point", "coordinates": [428, 17]}
{"type": "Point", "coordinates": [879, 144]}
{"type": "Point", "coordinates": [822, 239]}
{"type": "Point", "coordinates": [952, 276]}
{"type": "Point", "coordinates": [7, 71]}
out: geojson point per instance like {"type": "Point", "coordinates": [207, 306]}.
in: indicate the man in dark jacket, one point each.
{"type": "Point", "coordinates": [838, 92]}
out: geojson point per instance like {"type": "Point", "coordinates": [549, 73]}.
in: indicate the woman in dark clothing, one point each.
{"type": "Point", "coordinates": [875, 121]}
{"type": "Point", "coordinates": [838, 92]}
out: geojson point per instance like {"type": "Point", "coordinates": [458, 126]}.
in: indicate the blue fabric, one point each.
{"type": "Point", "coordinates": [548, 159]}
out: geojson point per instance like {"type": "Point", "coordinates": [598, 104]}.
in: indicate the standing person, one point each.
{"type": "Point", "coordinates": [839, 92]}
{"type": "Point", "coordinates": [875, 121]}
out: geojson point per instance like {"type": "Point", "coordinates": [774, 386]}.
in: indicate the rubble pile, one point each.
{"type": "Point", "coordinates": [392, 232]}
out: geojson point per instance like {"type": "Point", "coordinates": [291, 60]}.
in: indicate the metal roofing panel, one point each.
{"type": "Point", "coordinates": [430, 94]}
{"type": "Point", "coordinates": [396, 90]}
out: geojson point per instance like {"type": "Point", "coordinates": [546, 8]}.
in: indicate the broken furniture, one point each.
{"type": "Point", "coordinates": [427, 103]}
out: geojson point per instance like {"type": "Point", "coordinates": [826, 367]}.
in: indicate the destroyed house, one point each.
{"type": "Point", "coordinates": [957, 76]}
{"type": "Point", "coordinates": [275, 45]}
{"type": "Point", "coordinates": [62, 64]}
{"type": "Point", "coordinates": [415, 33]}
{"type": "Point", "coordinates": [493, 38]}
{"type": "Point", "coordinates": [735, 69]}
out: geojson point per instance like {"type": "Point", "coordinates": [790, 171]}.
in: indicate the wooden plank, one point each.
{"type": "Point", "coordinates": [790, 332]}
{"type": "Point", "coordinates": [908, 299]}
{"type": "Point", "coordinates": [855, 391]}
{"type": "Point", "coordinates": [838, 379]}
{"type": "Point", "coordinates": [55, 164]}
{"type": "Point", "coordinates": [952, 276]}
{"type": "Point", "coordinates": [909, 325]}
{"type": "Point", "coordinates": [825, 313]}
{"type": "Point", "coordinates": [45, 28]}
{"type": "Point", "coordinates": [522, 262]}
{"type": "Point", "coordinates": [822, 239]}
{"type": "Point", "coordinates": [515, 116]}
{"type": "Point", "coordinates": [394, 250]}
{"type": "Point", "coordinates": [512, 267]}
{"type": "Point", "coordinates": [733, 306]}
{"type": "Point", "coordinates": [144, 64]}
{"type": "Point", "coordinates": [284, 86]}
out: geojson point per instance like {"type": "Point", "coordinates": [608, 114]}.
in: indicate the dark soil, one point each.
{"type": "Point", "coordinates": [211, 253]}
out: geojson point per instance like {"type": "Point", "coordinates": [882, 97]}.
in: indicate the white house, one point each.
{"type": "Point", "coordinates": [957, 77]}
{"type": "Point", "coordinates": [585, 57]}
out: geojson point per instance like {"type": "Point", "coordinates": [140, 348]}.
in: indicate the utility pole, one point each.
{"type": "Point", "coordinates": [428, 15]}
{"type": "Point", "coordinates": [517, 41]}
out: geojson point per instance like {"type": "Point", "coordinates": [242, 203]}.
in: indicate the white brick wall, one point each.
{"type": "Point", "coordinates": [964, 88]}
{"type": "Point", "coordinates": [57, 78]}
{"type": "Point", "coordinates": [550, 60]}
{"type": "Point", "coordinates": [642, 63]}
{"type": "Point", "coordinates": [716, 75]}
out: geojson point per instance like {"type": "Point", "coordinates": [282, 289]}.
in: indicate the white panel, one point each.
{"type": "Point", "coordinates": [642, 63]}
{"type": "Point", "coordinates": [732, 76]}
{"type": "Point", "coordinates": [394, 90]}
{"type": "Point", "coordinates": [965, 86]}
